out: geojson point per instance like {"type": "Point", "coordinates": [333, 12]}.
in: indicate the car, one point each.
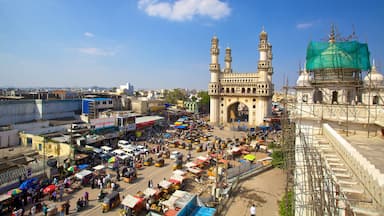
{"type": "Point", "coordinates": [123, 144]}
{"type": "Point", "coordinates": [175, 155]}
{"type": "Point", "coordinates": [106, 149]}
{"type": "Point", "coordinates": [142, 149]}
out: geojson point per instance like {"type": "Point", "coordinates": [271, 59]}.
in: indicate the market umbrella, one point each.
{"type": "Point", "coordinates": [49, 189]}
{"type": "Point", "coordinates": [112, 160]}
{"type": "Point", "coordinates": [72, 168]}
{"type": "Point", "coordinates": [14, 191]}
{"type": "Point", "coordinates": [83, 166]}
{"type": "Point", "coordinates": [250, 157]}
{"type": "Point", "coordinates": [27, 184]}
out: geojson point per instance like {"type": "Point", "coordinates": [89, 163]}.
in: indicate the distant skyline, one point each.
{"type": "Point", "coordinates": [155, 44]}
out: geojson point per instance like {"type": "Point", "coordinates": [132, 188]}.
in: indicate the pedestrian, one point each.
{"type": "Point", "coordinates": [33, 210]}
{"type": "Point", "coordinates": [252, 210]}
{"type": "Point", "coordinates": [61, 209]}
{"type": "Point", "coordinates": [67, 206]}
{"type": "Point", "coordinates": [149, 183]}
{"type": "Point", "coordinates": [45, 209]}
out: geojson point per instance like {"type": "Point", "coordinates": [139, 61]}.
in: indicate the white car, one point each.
{"type": "Point", "coordinates": [175, 155]}
{"type": "Point", "coordinates": [123, 144]}
{"type": "Point", "coordinates": [142, 149]}
{"type": "Point", "coordinates": [120, 154]}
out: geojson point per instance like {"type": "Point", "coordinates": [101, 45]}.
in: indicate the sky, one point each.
{"type": "Point", "coordinates": [156, 44]}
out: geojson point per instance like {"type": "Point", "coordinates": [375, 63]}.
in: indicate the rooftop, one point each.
{"type": "Point", "coordinates": [370, 147]}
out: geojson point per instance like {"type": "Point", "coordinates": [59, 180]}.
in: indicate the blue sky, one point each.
{"type": "Point", "coordinates": [165, 43]}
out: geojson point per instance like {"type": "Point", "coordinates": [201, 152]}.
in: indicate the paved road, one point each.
{"type": "Point", "coordinates": [144, 175]}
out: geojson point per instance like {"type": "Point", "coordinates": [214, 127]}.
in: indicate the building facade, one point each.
{"type": "Point", "coordinates": [240, 96]}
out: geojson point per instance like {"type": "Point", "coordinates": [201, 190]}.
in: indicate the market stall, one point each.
{"type": "Point", "coordinates": [133, 204]}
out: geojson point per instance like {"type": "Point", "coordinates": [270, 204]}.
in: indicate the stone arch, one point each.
{"type": "Point", "coordinates": [318, 96]}
{"type": "Point", "coordinates": [237, 111]}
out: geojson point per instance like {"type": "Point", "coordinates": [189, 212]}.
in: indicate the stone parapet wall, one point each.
{"type": "Point", "coordinates": [334, 112]}
{"type": "Point", "coordinates": [367, 173]}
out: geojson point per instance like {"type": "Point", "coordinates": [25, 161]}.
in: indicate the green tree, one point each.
{"type": "Point", "coordinates": [204, 102]}
{"type": "Point", "coordinates": [173, 96]}
{"type": "Point", "coordinates": [286, 205]}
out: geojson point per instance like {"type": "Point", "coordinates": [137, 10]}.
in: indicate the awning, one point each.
{"type": "Point", "coordinates": [190, 164]}
{"type": "Point", "coordinates": [83, 173]}
{"type": "Point", "coordinates": [176, 179]}
{"type": "Point", "coordinates": [149, 192]}
{"type": "Point", "coordinates": [130, 201]}
{"type": "Point", "coordinates": [179, 172]}
{"type": "Point", "coordinates": [99, 167]}
{"type": "Point", "coordinates": [165, 184]}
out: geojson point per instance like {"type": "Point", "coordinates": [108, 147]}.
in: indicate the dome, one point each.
{"type": "Point", "coordinates": [263, 35]}
{"type": "Point", "coordinates": [304, 79]}
{"type": "Point", "coordinates": [374, 77]}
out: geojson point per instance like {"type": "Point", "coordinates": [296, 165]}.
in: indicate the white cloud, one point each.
{"type": "Point", "coordinates": [88, 34]}
{"type": "Point", "coordinates": [96, 51]}
{"type": "Point", "coordinates": [182, 10]}
{"type": "Point", "coordinates": [304, 25]}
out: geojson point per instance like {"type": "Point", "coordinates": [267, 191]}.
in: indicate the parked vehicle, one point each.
{"type": "Point", "coordinates": [159, 162]}
{"type": "Point", "coordinates": [106, 149]}
{"type": "Point", "coordinates": [175, 155]}
{"type": "Point", "coordinates": [111, 201]}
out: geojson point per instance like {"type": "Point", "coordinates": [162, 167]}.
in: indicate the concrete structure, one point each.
{"type": "Point", "coordinates": [191, 106]}
{"type": "Point", "coordinates": [227, 90]}
{"type": "Point", "coordinates": [92, 107]}
{"type": "Point", "coordinates": [338, 153]}
{"type": "Point", "coordinates": [13, 112]}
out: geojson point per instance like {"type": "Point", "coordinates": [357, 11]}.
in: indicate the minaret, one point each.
{"type": "Point", "coordinates": [228, 61]}
{"type": "Point", "coordinates": [214, 85]}
{"type": "Point", "coordinates": [263, 63]}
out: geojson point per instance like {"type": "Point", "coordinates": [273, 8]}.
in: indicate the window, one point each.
{"type": "Point", "coordinates": [305, 98]}
{"type": "Point", "coordinates": [110, 102]}
{"type": "Point", "coordinates": [375, 100]}
{"type": "Point", "coordinates": [29, 141]}
{"type": "Point", "coordinates": [40, 146]}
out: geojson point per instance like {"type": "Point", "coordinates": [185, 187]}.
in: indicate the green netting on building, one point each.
{"type": "Point", "coordinates": [330, 55]}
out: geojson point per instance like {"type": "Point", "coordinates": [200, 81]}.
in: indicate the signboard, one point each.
{"type": "Point", "coordinates": [127, 122]}
{"type": "Point", "coordinates": [103, 122]}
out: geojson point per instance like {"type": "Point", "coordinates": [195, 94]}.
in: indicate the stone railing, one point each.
{"type": "Point", "coordinates": [367, 173]}
{"type": "Point", "coordinates": [352, 113]}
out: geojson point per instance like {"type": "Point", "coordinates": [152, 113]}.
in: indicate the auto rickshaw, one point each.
{"type": "Point", "coordinates": [159, 162]}
{"type": "Point", "coordinates": [177, 165]}
{"type": "Point", "coordinates": [196, 141]}
{"type": "Point", "coordinates": [148, 161]}
{"type": "Point", "coordinates": [188, 146]}
{"type": "Point", "coordinates": [167, 154]}
{"type": "Point", "coordinates": [129, 175]}
{"type": "Point", "coordinates": [199, 148]}
{"type": "Point", "coordinates": [182, 146]}
{"type": "Point", "coordinates": [111, 201]}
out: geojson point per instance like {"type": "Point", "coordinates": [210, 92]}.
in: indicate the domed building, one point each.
{"type": "Point", "coordinates": [373, 91]}
{"type": "Point", "coordinates": [333, 74]}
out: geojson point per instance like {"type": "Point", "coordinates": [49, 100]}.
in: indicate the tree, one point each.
{"type": "Point", "coordinates": [173, 96]}
{"type": "Point", "coordinates": [204, 102]}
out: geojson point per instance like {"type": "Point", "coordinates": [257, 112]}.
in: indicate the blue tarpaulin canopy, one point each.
{"type": "Point", "coordinates": [27, 184]}
{"type": "Point", "coordinates": [83, 166]}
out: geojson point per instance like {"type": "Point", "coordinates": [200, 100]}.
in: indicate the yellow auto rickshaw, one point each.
{"type": "Point", "coordinates": [167, 154]}
{"type": "Point", "coordinates": [199, 148]}
{"type": "Point", "coordinates": [177, 165]}
{"type": "Point", "coordinates": [188, 146]}
{"type": "Point", "coordinates": [182, 146]}
{"type": "Point", "coordinates": [159, 162]}
{"type": "Point", "coordinates": [148, 161]}
{"type": "Point", "coordinates": [111, 201]}
{"type": "Point", "coordinates": [129, 175]}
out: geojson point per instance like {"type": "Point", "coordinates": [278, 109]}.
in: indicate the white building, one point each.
{"type": "Point", "coordinates": [227, 89]}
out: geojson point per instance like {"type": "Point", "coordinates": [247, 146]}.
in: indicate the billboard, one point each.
{"type": "Point", "coordinates": [103, 122]}
{"type": "Point", "coordinates": [127, 122]}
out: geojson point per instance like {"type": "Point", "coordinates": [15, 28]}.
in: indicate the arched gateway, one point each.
{"type": "Point", "coordinates": [240, 96]}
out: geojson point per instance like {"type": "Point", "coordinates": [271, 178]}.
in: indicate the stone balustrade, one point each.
{"type": "Point", "coordinates": [367, 173]}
